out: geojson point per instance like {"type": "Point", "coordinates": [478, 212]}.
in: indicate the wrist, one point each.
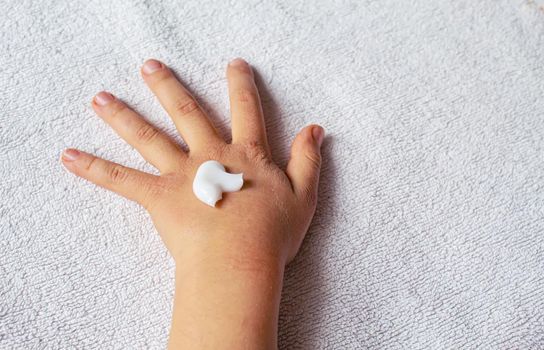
{"type": "Point", "coordinates": [226, 300]}
{"type": "Point", "coordinates": [217, 252]}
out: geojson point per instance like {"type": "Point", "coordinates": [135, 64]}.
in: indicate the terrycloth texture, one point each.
{"type": "Point", "coordinates": [429, 232]}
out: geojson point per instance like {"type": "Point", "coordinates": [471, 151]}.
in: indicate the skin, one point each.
{"type": "Point", "coordinates": [229, 259]}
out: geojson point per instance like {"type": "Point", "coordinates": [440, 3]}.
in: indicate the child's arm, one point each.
{"type": "Point", "coordinates": [229, 259]}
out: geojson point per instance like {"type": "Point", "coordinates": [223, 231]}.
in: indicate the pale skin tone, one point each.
{"type": "Point", "coordinates": [229, 259]}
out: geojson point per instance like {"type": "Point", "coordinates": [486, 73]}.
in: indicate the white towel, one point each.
{"type": "Point", "coordinates": [429, 230]}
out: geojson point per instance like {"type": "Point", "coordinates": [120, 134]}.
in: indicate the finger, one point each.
{"type": "Point", "coordinates": [153, 145]}
{"type": "Point", "coordinates": [305, 163]}
{"type": "Point", "coordinates": [189, 118]}
{"type": "Point", "coordinates": [245, 105]}
{"type": "Point", "coordinates": [129, 183]}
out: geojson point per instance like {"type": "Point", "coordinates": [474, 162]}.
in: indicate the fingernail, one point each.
{"type": "Point", "coordinates": [70, 154]}
{"type": "Point", "coordinates": [237, 62]}
{"type": "Point", "coordinates": [103, 98]}
{"type": "Point", "coordinates": [151, 66]}
{"type": "Point", "coordinates": [318, 134]}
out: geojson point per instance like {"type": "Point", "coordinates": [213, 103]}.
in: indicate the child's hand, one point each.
{"type": "Point", "coordinates": [253, 232]}
{"type": "Point", "coordinates": [266, 219]}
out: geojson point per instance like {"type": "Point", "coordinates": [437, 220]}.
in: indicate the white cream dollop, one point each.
{"type": "Point", "coordinates": [211, 180]}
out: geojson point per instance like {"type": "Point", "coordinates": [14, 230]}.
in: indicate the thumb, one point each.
{"type": "Point", "coordinates": [305, 163]}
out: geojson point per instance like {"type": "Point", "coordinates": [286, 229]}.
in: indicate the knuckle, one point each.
{"type": "Point", "coordinates": [314, 159]}
{"type": "Point", "coordinates": [151, 191]}
{"type": "Point", "coordinates": [256, 151]}
{"type": "Point", "coordinates": [255, 145]}
{"type": "Point", "coordinates": [185, 106]}
{"type": "Point", "coordinates": [117, 109]}
{"type": "Point", "coordinates": [214, 151]}
{"type": "Point", "coordinates": [117, 173]}
{"type": "Point", "coordinates": [146, 133]}
{"type": "Point", "coordinates": [309, 196]}
{"type": "Point", "coordinates": [91, 164]}
{"type": "Point", "coordinates": [245, 95]}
